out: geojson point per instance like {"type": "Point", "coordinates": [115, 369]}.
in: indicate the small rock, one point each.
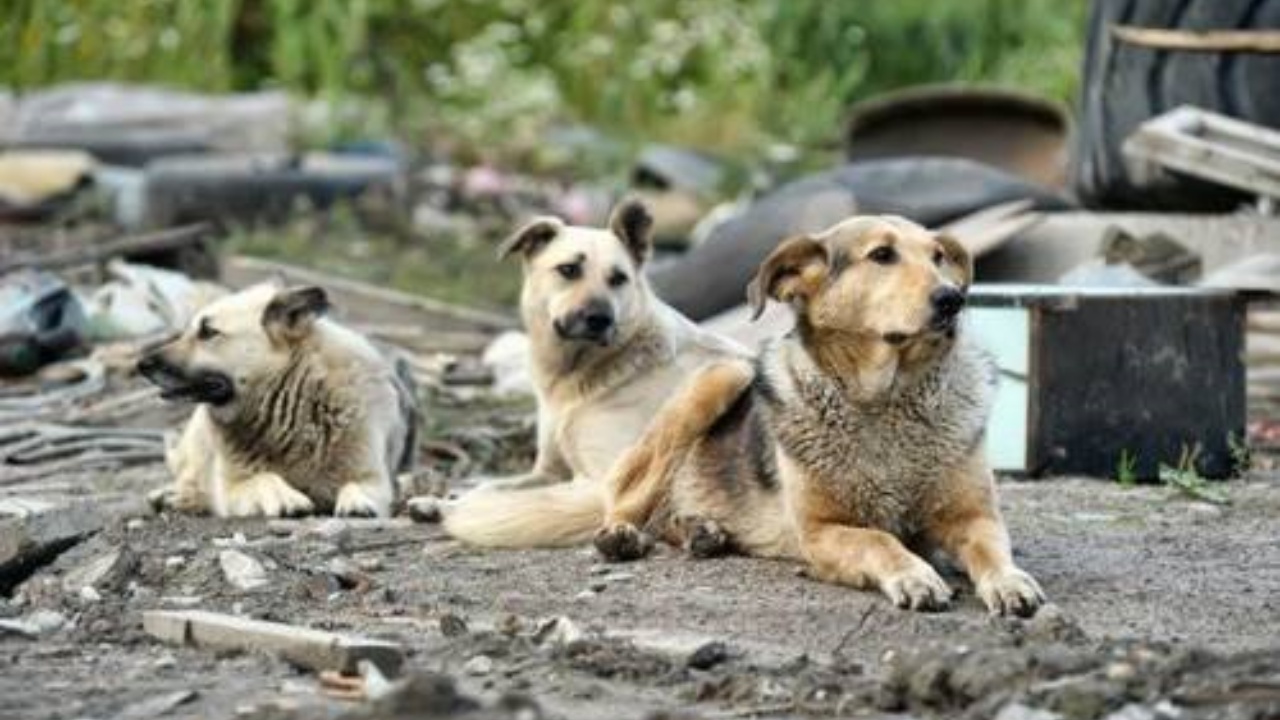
{"type": "Point", "coordinates": [1133, 711]}
{"type": "Point", "coordinates": [166, 660]}
{"type": "Point", "coordinates": [1018, 711]}
{"type": "Point", "coordinates": [510, 625]}
{"type": "Point", "coordinates": [333, 530]}
{"type": "Point", "coordinates": [369, 563]}
{"type": "Point", "coordinates": [598, 586]}
{"type": "Point", "coordinates": [38, 623]}
{"type": "Point", "coordinates": [242, 571]}
{"type": "Point", "coordinates": [708, 655]}
{"type": "Point", "coordinates": [174, 561]}
{"type": "Point", "coordinates": [558, 631]}
{"type": "Point", "coordinates": [424, 509]}
{"type": "Point", "coordinates": [94, 572]}
{"type": "Point", "coordinates": [135, 524]}
{"type": "Point", "coordinates": [452, 625]}
{"type": "Point", "coordinates": [1121, 671]}
{"type": "Point", "coordinates": [620, 577]}
{"type": "Point", "coordinates": [478, 665]}
{"type": "Point", "coordinates": [47, 621]}
{"type": "Point", "coordinates": [1051, 623]}
{"type": "Point", "coordinates": [89, 595]}
{"type": "Point", "coordinates": [585, 595]}
{"type": "Point", "coordinates": [347, 573]}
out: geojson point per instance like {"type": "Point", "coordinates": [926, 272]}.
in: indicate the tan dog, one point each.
{"type": "Point", "coordinates": [857, 435]}
{"type": "Point", "coordinates": [294, 413]}
{"type": "Point", "coordinates": [605, 354]}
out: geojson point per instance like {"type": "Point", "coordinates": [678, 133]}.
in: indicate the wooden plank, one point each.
{"type": "Point", "coordinates": [1210, 146]}
{"type": "Point", "coordinates": [312, 649]}
{"type": "Point", "coordinates": [1251, 41]}
{"type": "Point", "coordinates": [168, 239]}
{"type": "Point", "coordinates": [362, 302]}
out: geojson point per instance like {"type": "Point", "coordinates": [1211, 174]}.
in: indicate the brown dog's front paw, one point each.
{"type": "Point", "coordinates": [706, 539]}
{"type": "Point", "coordinates": [1011, 592]}
{"type": "Point", "coordinates": [917, 588]}
{"type": "Point", "coordinates": [623, 542]}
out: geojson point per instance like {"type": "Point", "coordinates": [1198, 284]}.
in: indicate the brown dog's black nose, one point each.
{"type": "Point", "coordinates": [947, 301]}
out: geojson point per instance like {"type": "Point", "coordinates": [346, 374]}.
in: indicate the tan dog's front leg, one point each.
{"type": "Point", "coordinates": [641, 480]}
{"type": "Point", "coordinates": [264, 494]}
{"type": "Point", "coordinates": [372, 496]}
{"type": "Point", "coordinates": [190, 461]}
{"type": "Point", "coordinates": [866, 558]}
{"type": "Point", "coordinates": [969, 528]}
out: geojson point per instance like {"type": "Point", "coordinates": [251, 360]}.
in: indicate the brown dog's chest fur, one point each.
{"type": "Point", "coordinates": [875, 463]}
{"type": "Point", "coordinates": [301, 425]}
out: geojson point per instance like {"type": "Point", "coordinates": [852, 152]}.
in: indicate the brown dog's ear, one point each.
{"type": "Point", "coordinates": [292, 313]}
{"type": "Point", "coordinates": [794, 270]}
{"type": "Point", "coordinates": [959, 256]}
{"type": "Point", "coordinates": [531, 238]}
{"type": "Point", "coordinates": [633, 225]}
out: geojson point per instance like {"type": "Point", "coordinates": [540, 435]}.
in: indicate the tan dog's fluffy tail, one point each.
{"type": "Point", "coordinates": [553, 516]}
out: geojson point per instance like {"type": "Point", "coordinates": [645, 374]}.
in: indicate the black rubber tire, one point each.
{"type": "Point", "coordinates": [713, 276]}
{"type": "Point", "coordinates": [1124, 85]}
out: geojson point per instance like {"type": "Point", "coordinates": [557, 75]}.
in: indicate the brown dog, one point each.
{"type": "Point", "coordinates": [856, 436]}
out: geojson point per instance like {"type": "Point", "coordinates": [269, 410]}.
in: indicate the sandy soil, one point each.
{"type": "Point", "coordinates": [1155, 596]}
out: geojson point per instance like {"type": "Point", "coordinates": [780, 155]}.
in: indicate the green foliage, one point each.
{"type": "Point", "coordinates": [492, 73]}
{"type": "Point", "coordinates": [1126, 466]}
{"type": "Point", "coordinates": [1186, 479]}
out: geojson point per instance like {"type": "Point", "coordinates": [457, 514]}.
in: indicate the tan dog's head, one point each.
{"type": "Point", "coordinates": [234, 342]}
{"type": "Point", "coordinates": [881, 279]}
{"type": "Point", "coordinates": [585, 285]}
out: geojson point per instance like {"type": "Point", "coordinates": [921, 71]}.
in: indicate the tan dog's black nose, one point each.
{"type": "Point", "coordinates": [947, 301]}
{"type": "Point", "coordinates": [149, 364]}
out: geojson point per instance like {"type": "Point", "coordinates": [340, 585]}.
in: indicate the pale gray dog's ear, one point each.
{"type": "Point", "coordinates": [632, 223]}
{"type": "Point", "coordinates": [530, 239]}
{"type": "Point", "coordinates": [292, 313]}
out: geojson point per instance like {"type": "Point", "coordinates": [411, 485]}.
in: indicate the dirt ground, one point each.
{"type": "Point", "coordinates": [1163, 607]}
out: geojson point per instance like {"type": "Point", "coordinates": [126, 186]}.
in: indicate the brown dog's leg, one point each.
{"type": "Point", "coordinates": [866, 558]}
{"type": "Point", "coordinates": [968, 526]}
{"type": "Point", "coordinates": [641, 480]}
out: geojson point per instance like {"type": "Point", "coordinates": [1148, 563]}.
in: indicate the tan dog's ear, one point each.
{"type": "Point", "coordinates": [632, 223]}
{"type": "Point", "coordinates": [796, 269]}
{"type": "Point", "coordinates": [292, 313]}
{"type": "Point", "coordinates": [959, 256]}
{"type": "Point", "coordinates": [531, 238]}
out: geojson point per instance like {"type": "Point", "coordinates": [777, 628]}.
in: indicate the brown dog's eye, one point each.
{"type": "Point", "coordinates": [206, 331]}
{"type": "Point", "coordinates": [618, 278]}
{"type": "Point", "coordinates": [938, 257]}
{"type": "Point", "coordinates": [570, 271]}
{"type": "Point", "coordinates": [883, 255]}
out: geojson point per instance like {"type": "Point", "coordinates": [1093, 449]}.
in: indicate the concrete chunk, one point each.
{"type": "Point", "coordinates": [312, 649]}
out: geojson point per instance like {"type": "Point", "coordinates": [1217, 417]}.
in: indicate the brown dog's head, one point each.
{"type": "Point", "coordinates": [879, 279]}
{"type": "Point", "coordinates": [235, 341]}
{"type": "Point", "coordinates": [583, 284]}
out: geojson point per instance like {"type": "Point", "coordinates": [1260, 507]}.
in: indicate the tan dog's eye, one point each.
{"type": "Point", "coordinates": [618, 278]}
{"type": "Point", "coordinates": [206, 331]}
{"type": "Point", "coordinates": [883, 255]}
{"type": "Point", "coordinates": [938, 257]}
{"type": "Point", "coordinates": [570, 271]}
